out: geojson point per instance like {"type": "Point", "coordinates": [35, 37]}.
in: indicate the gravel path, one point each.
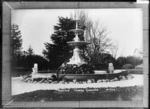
{"type": "Point", "coordinates": [19, 86]}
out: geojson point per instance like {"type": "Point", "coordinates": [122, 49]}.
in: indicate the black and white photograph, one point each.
{"type": "Point", "coordinates": [77, 54]}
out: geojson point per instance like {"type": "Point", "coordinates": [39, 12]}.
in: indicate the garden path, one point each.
{"type": "Point", "coordinates": [19, 86]}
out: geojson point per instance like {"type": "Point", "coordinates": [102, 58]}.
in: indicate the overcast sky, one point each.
{"type": "Point", "coordinates": [124, 26]}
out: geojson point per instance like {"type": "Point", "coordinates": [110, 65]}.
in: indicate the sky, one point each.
{"type": "Point", "coordinates": [124, 26]}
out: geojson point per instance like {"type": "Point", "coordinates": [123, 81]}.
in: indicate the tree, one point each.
{"type": "Point", "coordinates": [127, 66]}
{"type": "Point", "coordinates": [100, 45]}
{"type": "Point", "coordinates": [16, 45]}
{"type": "Point", "coordinates": [59, 51]}
{"type": "Point", "coordinates": [121, 61]}
{"type": "Point", "coordinates": [29, 60]}
{"type": "Point", "coordinates": [114, 50]}
{"type": "Point", "coordinates": [101, 60]}
{"type": "Point", "coordinates": [95, 33]}
{"type": "Point", "coordinates": [16, 40]}
{"type": "Point", "coordinates": [134, 61]}
{"type": "Point", "coordinates": [30, 51]}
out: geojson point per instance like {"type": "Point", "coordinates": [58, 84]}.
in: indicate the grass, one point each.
{"type": "Point", "coordinates": [104, 94]}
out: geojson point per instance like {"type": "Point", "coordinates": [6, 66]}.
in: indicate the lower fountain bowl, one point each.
{"type": "Point", "coordinates": [79, 43]}
{"type": "Point", "coordinates": [98, 75]}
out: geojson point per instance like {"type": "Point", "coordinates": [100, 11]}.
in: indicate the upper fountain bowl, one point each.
{"type": "Point", "coordinates": [76, 30]}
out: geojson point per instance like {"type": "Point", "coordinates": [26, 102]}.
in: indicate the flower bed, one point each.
{"type": "Point", "coordinates": [78, 78]}
{"type": "Point", "coordinates": [75, 69]}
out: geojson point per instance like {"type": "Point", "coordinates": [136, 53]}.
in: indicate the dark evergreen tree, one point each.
{"type": "Point", "coordinates": [30, 51]}
{"type": "Point", "coordinates": [16, 45]}
{"type": "Point", "coordinates": [59, 51]}
{"type": "Point", "coordinates": [16, 40]}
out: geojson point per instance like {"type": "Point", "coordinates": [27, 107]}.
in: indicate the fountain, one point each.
{"type": "Point", "coordinates": [76, 58]}
{"type": "Point", "coordinates": [76, 64]}
{"type": "Point", "coordinates": [77, 68]}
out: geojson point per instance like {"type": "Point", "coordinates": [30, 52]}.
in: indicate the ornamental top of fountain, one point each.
{"type": "Point", "coordinates": [76, 41]}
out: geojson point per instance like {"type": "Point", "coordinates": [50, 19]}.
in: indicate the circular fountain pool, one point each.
{"type": "Point", "coordinates": [118, 74]}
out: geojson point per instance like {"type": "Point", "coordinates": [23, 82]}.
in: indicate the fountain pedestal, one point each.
{"type": "Point", "coordinates": [76, 58]}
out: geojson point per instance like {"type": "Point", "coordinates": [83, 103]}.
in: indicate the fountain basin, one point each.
{"type": "Point", "coordinates": [98, 75]}
{"type": "Point", "coordinates": [100, 72]}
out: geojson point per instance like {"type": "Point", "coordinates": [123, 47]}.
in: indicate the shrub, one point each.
{"type": "Point", "coordinates": [127, 66]}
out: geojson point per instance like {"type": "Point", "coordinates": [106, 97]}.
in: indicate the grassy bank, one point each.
{"type": "Point", "coordinates": [104, 94]}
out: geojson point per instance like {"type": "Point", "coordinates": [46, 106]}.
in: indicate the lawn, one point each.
{"type": "Point", "coordinates": [104, 94]}
{"type": "Point", "coordinates": [127, 90]}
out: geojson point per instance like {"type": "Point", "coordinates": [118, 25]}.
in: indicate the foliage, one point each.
{"type": "Point", "coordinates": [27, 61]}
{"type": "Point", "coordinates": [16, 45]}
{"type": "Point", "coordinates": [30, 50]}
{"type": "Point", "coordinates": [97, 52]}
{"type": "Point", "coordinates": [127, 66]}
{"type": "Point", "coordinates": [94, 33]}
{"type": "Point", "coordinates": [101, 60]}
{"type": "Point", "coordinates": [139, 66]}
{"type": "Point", "coordinates": [121, 61]}
{"type": "Point", "coordinates": [22, 59]}
{"type": "Point", "coordinates": [59, 51]}
{"type": "Point", "coordinates": [99, 45]}
{"type": "Point", "coordinates": [134, 61]}
{"type": "Point", "coordinates": [74, 69]}
{"type": "Point", "coordinates": [16, 40]}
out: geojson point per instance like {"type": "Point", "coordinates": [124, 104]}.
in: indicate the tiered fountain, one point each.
{"type": "Point", "coordinates": [77, 68]}
{"type": "Point", "coordinates": [76, 65]}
